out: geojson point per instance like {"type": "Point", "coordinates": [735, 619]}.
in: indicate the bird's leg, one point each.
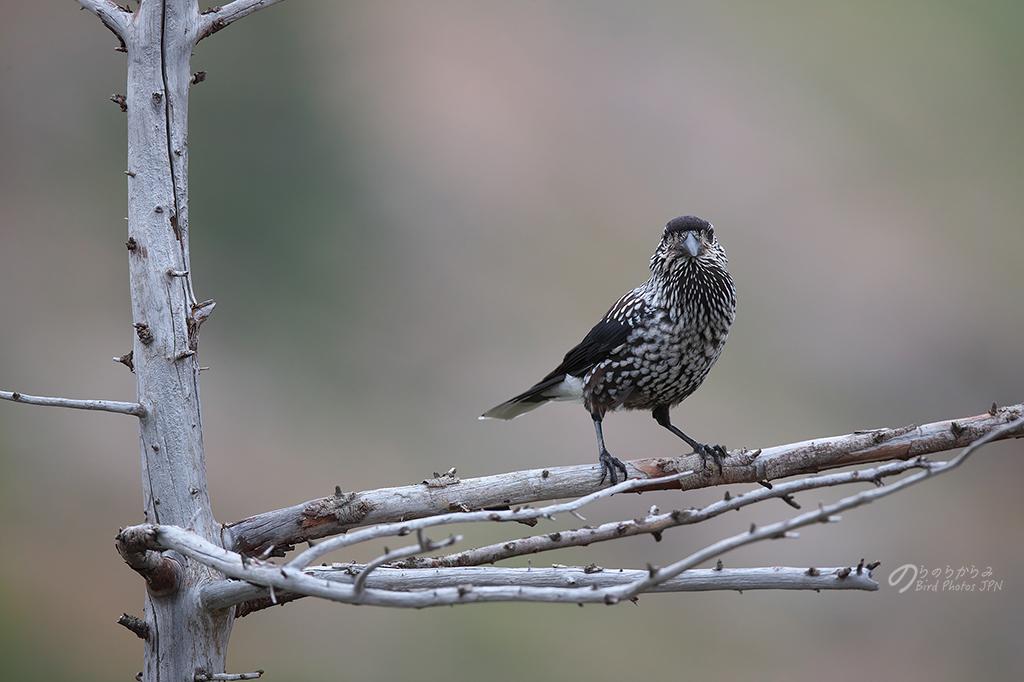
{"type": "Point", "coordinates": [716, 452]}
{"type": "Point", "coordinates": [608, 463]}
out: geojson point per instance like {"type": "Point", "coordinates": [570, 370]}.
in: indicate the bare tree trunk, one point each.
{"type": "Point", "coordinates": [184, 638]}
{"type": "Point", "coordinates": [184, 641]}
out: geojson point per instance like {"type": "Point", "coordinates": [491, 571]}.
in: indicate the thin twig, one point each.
{"type": "Point", "coordinates": [134, 409]}
{"type": "Point", "coordinates": [424, 545]}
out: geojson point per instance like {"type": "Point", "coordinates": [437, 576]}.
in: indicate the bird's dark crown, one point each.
{"type": "Point", "coordinates": [687, 223]}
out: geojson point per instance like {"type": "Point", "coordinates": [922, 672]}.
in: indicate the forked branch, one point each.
{"type": "Point", "coordinates": [296, 579]}
{"type": "Point", "coordinates": [113, 17]}
{"type": "Point", "coordinates": [216, 18]}
{"type": "Point", "coordinates": [284, 528]}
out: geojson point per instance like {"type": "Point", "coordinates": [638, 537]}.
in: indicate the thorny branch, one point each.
{"type": "Point", "coordinates": [296, 579]}
{"type": "Point", "coordinates": [654, 524]}
{"type": "Point", "coordinates": [251, 598]}
{"type": "Point", "coordinates": [824, 514]}
{"type": "Point", "coordinates": [284, 528]}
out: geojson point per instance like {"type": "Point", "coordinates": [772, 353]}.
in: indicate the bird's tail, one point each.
{"type": "Point", "coordinates": [559, 387]}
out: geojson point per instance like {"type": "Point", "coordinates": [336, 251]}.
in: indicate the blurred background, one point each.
{"type": "Point", "coordinates": [407, 212]}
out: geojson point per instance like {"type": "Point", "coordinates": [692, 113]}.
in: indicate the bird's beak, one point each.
{"type": "Point", "coordinates": [691, 246]}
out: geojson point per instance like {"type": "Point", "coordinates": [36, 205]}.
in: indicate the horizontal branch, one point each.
{"type": "Point", "coordinates": [217, 18]}
{"type": "Point", "coordinates": [229, 593]}
{"type": "Point", "coordinates": [403, 528]}
{"type": "Point", "coordinates": [134, 409]}
{"type": "Point", "coordinates": [654, 524]}
{"type": "Point", "coordinates": [284, 528]}
{"type": "Point", "coordinates": [307, 581]}
{"type": "Point", "coordinates": [824, 514]}
{"type": "Point", "coordinates": [296, 579]}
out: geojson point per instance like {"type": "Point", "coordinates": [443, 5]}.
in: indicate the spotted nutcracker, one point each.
{"type": "Point", "coordinates": [654, 347]}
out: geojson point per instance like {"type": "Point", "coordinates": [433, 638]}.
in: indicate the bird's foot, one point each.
{"type": "Point", "coordinates": [715, 453]}
{"type": "Point", "coordinates": [609, 465]}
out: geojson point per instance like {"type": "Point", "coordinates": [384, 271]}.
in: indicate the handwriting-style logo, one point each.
{"type": "Point", "coordinates": [948, 579]}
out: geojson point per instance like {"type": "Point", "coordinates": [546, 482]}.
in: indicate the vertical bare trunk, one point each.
{"type": "Point", "coordinates": [184, 639]}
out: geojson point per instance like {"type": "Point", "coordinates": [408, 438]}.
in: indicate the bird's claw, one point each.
{"type": "Point", "coordinates": [715, 453]}
{"type": "Point", "coordinates": [609, 465]}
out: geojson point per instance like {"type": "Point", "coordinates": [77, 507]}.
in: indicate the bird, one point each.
{"type": "Point", "coordinates": [653, 348]}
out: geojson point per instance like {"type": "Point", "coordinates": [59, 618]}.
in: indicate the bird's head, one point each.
{"type": "Point", "coordinates": [686, 242]}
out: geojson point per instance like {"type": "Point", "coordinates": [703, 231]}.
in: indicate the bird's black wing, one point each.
{"type": "Point", "coordinates": [607, 335]}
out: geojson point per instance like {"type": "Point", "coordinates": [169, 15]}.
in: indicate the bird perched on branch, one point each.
{"type": "Point", "coordinates": [654, 347]}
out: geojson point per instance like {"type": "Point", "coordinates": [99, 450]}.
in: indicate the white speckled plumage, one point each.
{"type": "Point", "coordinates": [656, 345]}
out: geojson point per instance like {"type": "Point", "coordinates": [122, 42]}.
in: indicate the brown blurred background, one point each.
{"type": "Point", "coordinates": [407, 212]}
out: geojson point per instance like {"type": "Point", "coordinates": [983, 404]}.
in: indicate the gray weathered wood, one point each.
{"type": "Point", "coordinates": [335, 514]}
{"type": "Point", "coordinates": [227, 594]}
{"type": "Point", "coordinates": [185, 639]}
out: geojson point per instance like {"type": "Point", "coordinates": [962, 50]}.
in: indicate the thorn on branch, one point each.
{"type": "Point", "coordinates": [121, 101]}
{"type": "Point", "coordinates": [131, 244]}
{"type": "Point", "coordinates": [813, 572]}
{"type": "Point", "coordinates": [788, 499]}
{"type": "Point", "coordinates": [442, 480]}
{"type": "Point", "coordinates": [200, 313]}
{"type": "Point", "coordinates": [873, 565]}
{"type": "Point", "coordinates": [844, 573]}
{"type": "Point", "coordinates": [994, 409]}
{"type": "Point", "coordinates": [129, 173]}
{"type": "Point", "coordinates": [198, 77]}
{"type": "Point", "coordinates": [135, 624]}
{"type": "Point", "coordinates": [127, 360]}
{"type": "Point", "coordinates": [171, 272]}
